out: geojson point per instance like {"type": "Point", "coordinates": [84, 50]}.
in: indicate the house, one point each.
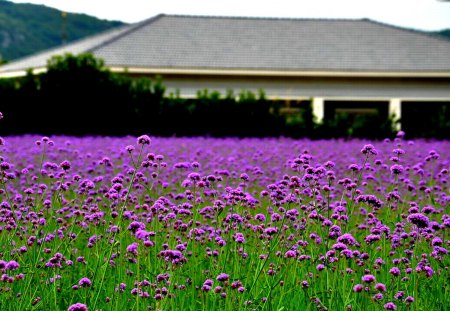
{"type": "Point", "coordinates": [341, 64]}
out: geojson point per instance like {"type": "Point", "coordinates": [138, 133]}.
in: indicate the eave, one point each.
{"type": "Point", "coordinates": [252, 72]}
{"type": "Point", "coordinates": [279, 73]}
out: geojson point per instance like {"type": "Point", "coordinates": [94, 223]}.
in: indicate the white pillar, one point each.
{"type": "Point", "coordinates": [318, 109]}
{"type": "Point", "coordinates": [395, 111]}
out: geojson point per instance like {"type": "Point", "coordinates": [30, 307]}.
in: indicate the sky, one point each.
{"type": "Point", "coordinates": [415, 14]}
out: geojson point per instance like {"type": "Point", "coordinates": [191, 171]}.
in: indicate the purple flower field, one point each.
{"type": "Point", "coordinates": [223, 224]}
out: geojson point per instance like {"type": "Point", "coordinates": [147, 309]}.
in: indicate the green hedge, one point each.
{"type": "Point", "coordinates": [79, 96]}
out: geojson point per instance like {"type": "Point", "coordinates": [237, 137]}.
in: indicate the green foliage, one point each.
{"type": "Point", "coordinates": [300, 124]}
{"type": "Point", "coordinates": [357, 126]}
{"type": "Point", "coordinates": [28, 28]}
{"type": "Point", "coordinates": [211, 114]}
{"type": "Point", "coordinates": [78, 95]}
{"type": "Point", "coordinates": [427, 119]}
{"type": "Point", "coordinates": [444, 33]}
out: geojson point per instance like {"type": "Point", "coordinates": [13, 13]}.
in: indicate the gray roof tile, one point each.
{"type": "Point", "coordinates": [206, 42]}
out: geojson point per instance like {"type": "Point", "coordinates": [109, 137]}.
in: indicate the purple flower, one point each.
{"type": "Point", "coordinates": [369, 150]}
{"type": "Point", "coordinates": [429, 271]}
{"type": "Point", "coordinates": [399, 295]}
{"type": "Point", "coordinates": [271, 230]}
{"type": "Point", "coordinates": [65, 165]}
{"type": "Point", "coordinates": [381, 287]}
{"type": "Point", "coordinates": [371, 238]}
{"type": "Point", "coordinates": [396, 169]}
{"type": "Point", "coordinates": [135, 225]}
{"type": "Point", "coordinates": [222, 277]}
{"type": "Point", "coordinates": [85, 282]}
{"type": "Point", "coordinates": [132, 248]}
{"type": "Point", "coordinates": [208, 282]}
{"type": "Point", "coordinates": [144, 140]}
{"type": "Point", "coordinates": [78, 307]}
{"type": "Point", "coordinates": [378, 296]}
{"type": "Point", "coordinates": [409, 299]}
{"type": "Point", "coordinates": [5, 166]}
{"type": "Point", "coordinates": [12, 265]}
{"type": "Point", "coordinates": [339, 246]}
{"type": "Point", "coordinates": [260, 217]}
{"type": "Point", "coordinates": [121, 287]}
{"type": "Point", "coordinates": [395, 271]}
{"type": "Point", "coordinates": [420, 220]}
{"type": "Point", "coordinates": [368, 278]}
{"type": "Point", "coordinates": [390, 306]}
{"type": "Point", "coordinates": [358, 288]}
{"type": "Point", "coordinates": [290, 254]}
{"type": "Point", "coordinates": [320, 267]}
{"type": "Point", "coordinates": [347, 239]}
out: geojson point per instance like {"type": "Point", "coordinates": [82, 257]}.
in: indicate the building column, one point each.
{"type": "Point", "coordinates": [395, 111]}
{"type": "Point", "coordinates": [318, 109]}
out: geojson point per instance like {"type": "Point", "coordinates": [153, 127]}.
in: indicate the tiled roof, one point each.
{"type": "Point", "coordinates": [271, 44]}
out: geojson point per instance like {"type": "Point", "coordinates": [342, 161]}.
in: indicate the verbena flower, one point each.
{"type": "Point", "coordinates": [397, 169]}
{"type": "Point", "coordinates": [222, 277]}
{"type": "Point", "coordinates": [320, 267]}
{"type": "Point", "coordinates": [358, 288]}
{"type": "Point", "coordinates": [143, 140]}
{"type": "Point", "coordinates": [78, 307]}
{"type": "Point", "coordinates": [395, 271]}
{"type": "Point", "coordinates": [368, 278]}
{"type": "Point", "coordinates": [390, 306]}
{"type": "Point", "coordinates": [85, 282]}
{"type": "Point", "coordinates": [12, 265]}
{"type": "Point", "coordinates": [65, 165]}
{"type": "Point", "coordinates": [369, 150]}
{"type": "Point", "coordinates": [420, 220]}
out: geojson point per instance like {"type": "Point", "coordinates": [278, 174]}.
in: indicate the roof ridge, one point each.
{"type": "Point", "coordinates": [133, 28]}
{"type": "Point", "coordinates": [430, 34]}
{"type": "Point", "coordinates": [264, 17]}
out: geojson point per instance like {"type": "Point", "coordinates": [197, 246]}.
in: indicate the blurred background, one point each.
{"type": "Point", "coordinates": [316, 69]}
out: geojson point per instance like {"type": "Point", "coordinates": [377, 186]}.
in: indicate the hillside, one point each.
{"type": "Point", "coordinates": [28, 28]}
{"type": "Point", "coordinates": [444, 33]}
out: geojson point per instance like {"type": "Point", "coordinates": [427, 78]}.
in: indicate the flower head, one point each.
{"type": "Point", "coordinates": [358, 288]}
{"type": "Point", "coordinates": [12, 265]}
{"type": "Point", "coordinates": [396, 169]}
{"type": "Point", "coordinates": [222, 277]}
{"type": "Point", "coordinates": [143, 140]}
{"type": "Point", "coordinates": [320, 267]}
{"type": "Point", "coordinates": [85, 282]}
{"type": "Point", "coordinates": [420, 220]}
{"type": "Point", "coordinates": [65, 165]}
{"type": "Point", "coordinates": [368, 278]}
{"type": "Point", "coordinates": [78, 307]}
{"type": "Point", "coordinates": [409, 299]}
{"type": "Point", "coordinates": [381, 287]}
{"type": "Point", "coordinates": [369, 150]}
{"type": "Point", "coordinates": [390, 306]}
